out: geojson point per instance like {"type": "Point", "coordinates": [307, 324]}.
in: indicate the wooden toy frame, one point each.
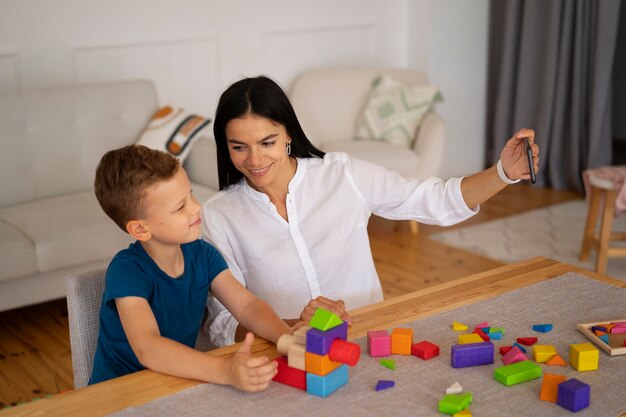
{"type": "Point", "coordinates": [617, 340]}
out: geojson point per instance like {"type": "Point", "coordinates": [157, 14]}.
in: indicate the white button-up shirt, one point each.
{"type": "Point", "coordinates": [324, 247]}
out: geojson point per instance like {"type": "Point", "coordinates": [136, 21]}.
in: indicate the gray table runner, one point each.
{"type": "Point", "coordinates": [564, 301]}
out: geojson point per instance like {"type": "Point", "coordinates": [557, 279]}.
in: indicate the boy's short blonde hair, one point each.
{"type": "Point", "coordinates": [124, 174]}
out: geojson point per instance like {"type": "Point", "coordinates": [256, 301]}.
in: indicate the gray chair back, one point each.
{"type": "Point", "coordinates": [84, 296]}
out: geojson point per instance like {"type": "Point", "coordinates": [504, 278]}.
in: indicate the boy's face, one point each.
{"type": "Point", "coordinates": [172, 213]}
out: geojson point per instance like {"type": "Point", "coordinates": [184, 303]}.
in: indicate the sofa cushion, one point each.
{"type": "Point", "coordinates": [173, 130]}
{"type": "Point", "coordinates": [394, 157]}
{"type": "Point", "coordinates": [67, 229]}
{"type": "Point", "coordinates": [393, 111]}
{"type": "Point", "coordinates": [17, 253]}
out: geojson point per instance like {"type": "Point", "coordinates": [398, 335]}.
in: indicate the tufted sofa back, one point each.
{"type": "Point", "coordinates": [53, 138]}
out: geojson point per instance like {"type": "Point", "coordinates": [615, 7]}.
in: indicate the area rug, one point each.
{"type": "Point", "coordinates": [554, 232]}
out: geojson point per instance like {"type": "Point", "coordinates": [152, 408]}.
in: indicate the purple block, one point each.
{"type": "Point", "coordinates": [383, 384]}
{"type": "Point", "coordinates": [319, 342]}
{"type": "Point", "coordinates": [574, 395]}
{"type": "Point", "coordinates": [472, 354]}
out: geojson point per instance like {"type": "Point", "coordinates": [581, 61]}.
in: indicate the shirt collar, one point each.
{"type": "Point", "coordinates": [293, 184]}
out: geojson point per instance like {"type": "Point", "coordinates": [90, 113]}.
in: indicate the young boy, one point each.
{"type": "Point", "coordinates": [156, 290]}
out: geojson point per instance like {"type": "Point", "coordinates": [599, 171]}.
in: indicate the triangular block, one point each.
{"type": "Point", "coordinates": [384, 384]}
{"type": "Point", "coordinates": [455, 388]}
{"type": "Point", "coordinates": [324, 320]}
{"type": "Point", "coordinates": [388, 363]}
{"type": "Point", "coordinates": [458, 327]}
{"type": "Point", "coordinates": [556, 360]}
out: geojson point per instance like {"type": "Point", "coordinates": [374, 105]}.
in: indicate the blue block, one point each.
{"type": "Point", "coordinates": [486, 330]}
{"type": "Point", "coordinates": [471, 354]}
{"type": "Point", "coordinates": [605, 338]}
{"type": "Point", "coordinates": [323, 386]}
{"type": "Point", "coordinates": [522, 348]}
{"type": "Point", "coordinates": [495, 335]}
{"type": "Point", "coordinates": [319, 342]}
{"type": "Point", "coordinates": [384, 384]}
{"type": "Point", "coordinates": [574, 395]}
{"type": "Point", "coordinates": [543, 328]}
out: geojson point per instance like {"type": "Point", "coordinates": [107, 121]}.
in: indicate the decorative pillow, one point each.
{"type": "Point", "coordinates": [394, 111]}
{"type": "Point", "coordinates": [174, 131]}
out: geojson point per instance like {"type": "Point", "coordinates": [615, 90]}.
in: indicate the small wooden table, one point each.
{"type": "Point", "coordinates": [142, 387]}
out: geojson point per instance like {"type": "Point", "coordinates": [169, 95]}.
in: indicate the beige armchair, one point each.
{"type": "Point", "coordinates": [328, 102]}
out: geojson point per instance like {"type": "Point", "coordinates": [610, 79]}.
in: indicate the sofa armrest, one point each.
{"type": "Point", "coordinates": [201, 163]}
{"type": "Point", "coordinates": [429, 144]}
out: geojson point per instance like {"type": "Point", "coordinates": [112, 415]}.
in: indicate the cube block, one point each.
{"type": "Point", "coordinates": [401, 341]}
{"type": "Point", "coordinates": [584, 356]}
{"type": "Point", "coordinates": [319, 364]}
{"type": "Point", "coordinates": [319, 342]}
{"type": "Point", "coordinates": [425, 350]}
{"type": "Point", "coordinates": [574, 395]}
{"type": "Point", "coordinates": [323, 386]}
{"type": "Point", "coordinates": [378, 343]}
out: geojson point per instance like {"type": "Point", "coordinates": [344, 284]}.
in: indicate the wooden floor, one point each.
{"type": "Point", "coordinates": [34, 341]}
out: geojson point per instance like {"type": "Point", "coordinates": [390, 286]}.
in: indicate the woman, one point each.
{"type": "Point", "coordinates": [285, 209]}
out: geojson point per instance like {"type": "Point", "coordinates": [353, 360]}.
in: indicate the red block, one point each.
{"type": "Point", "coordinates": [505, 349]}
{"type": "Point", "coordinates": [344, 352]}
{"type": "Point", "coordinates": [479, 331]}
{"type": "Point", "coordinates": [528, 341]}
{"type": "Point", "coordinates": [288, 375]}
{"type": "Point", "coordinates": [424, 350]}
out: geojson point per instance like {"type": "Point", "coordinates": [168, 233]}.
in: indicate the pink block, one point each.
{"type": "Point", "coordinates": [378, 343]}
{"type": "Point", "coordinates": [619, 329]}
{"type": "Point", "coordinates": [514, 355]}
{"type": "Point", "coordinates": [481, 325]}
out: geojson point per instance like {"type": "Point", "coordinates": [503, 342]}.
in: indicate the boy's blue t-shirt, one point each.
{"type": "Point", "coordinates": [177, 303]}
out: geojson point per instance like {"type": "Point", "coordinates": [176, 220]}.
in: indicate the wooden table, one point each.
{"type": "Point", "coordinates": [144, 386]}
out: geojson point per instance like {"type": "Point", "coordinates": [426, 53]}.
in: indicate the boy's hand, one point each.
{"type": "Point", "coordinates": [298, 324]}
{"type": "Point", "coordinates": [338, 307]}
{"type": "Point", "coordinates": [252, 374]}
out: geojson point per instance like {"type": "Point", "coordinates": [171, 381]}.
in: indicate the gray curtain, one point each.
{"type": "Point", "coordinates": [550, 65]}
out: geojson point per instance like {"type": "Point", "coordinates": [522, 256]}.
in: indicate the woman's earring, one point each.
{"type": "Point", "coordinates": [288, 148]}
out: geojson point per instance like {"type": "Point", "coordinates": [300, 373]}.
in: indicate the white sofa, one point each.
{"type": "Point", "coordinates": [50, 222]}
{"type": "Point", "coordinates": [328, 101]}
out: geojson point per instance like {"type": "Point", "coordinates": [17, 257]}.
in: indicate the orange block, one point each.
{"type": "Point", "coordinates": [401, 341]}
{"type": "Point", "coordinates": [319, 364]}
{"type": "Point", "coordinates": [556, 360]}
{"type": "Point", "coordinates": [550, 387]}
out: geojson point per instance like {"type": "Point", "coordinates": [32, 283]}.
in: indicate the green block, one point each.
{"type": "Point", "coordinates": [324, 320]}
{"type": "Point", "coordinates": [388, 363]}
{"type": "Point", "coordinates": [517, 373]}
{"type": "Point", "coordinates": [453, 403]}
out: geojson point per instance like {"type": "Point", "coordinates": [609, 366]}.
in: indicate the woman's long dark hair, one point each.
{"type": "Point", "coordinates": [263, 97]}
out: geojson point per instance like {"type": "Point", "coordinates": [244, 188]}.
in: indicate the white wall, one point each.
{"type": "Point", "coordinates": [193, 49]}
{"type": "Point", "coordinates": [448, 42]}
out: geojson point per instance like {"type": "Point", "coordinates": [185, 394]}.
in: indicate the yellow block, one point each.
{"type": "Point", "coordinates": [401, 341]}
{"type": "Point", "coordinates": [584, 356]}
{"type": "Point", "coordinates": [318, 364]}
{"type": "Point", "coordinates": [542, 353]}
{"type": "Point", "coordinates": [464, 413]}
{"type": "Point", "coordinates": [458, 327]}
{"type": "Point", "coordinates": [465, 339]}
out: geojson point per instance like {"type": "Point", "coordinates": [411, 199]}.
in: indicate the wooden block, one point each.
{"type": "Point", "coordinates": [289, 376]}
{"type": "Point", "coordinates": [495, 335]}
{"type": "Point", "coordinates": [323, 386]}
{"type": "Point", "coordinates": [584, 356]}
{"type": "Point", "coordinates": [401, 341]}
{"type": "Point", "coordinates": [574, 395]}
{"type": "Point", "coordinates": [282, 346]}
{"type": "Point", "coordinates": [388, 363]}
{"type": "Point", "coordinates": [543, 328]}
{"type": "Point", "coordinates": [528, 341]}
{"type": "Point", "coordinates": [514, 355]}
{"type": "Point", "coordinates": [319, 364]}
{"type": "Point", "coordinates": [472, 354]}
{"type": "Point", "coordinates": [378, 343]}
{"type": "Point", "coordinates": [542, 353]}
{"type": "Point", "coordinates": [319, 342]}
{"type": "Point", "coordinates": [455, 388]}
{"type": "Point", "coordinates": [463, 413]}
{"type": "Point", "coordinates": [522, 348]}
{"type": "Point", "coordinates": [295, 356]}
{"type": "Point", "coordinates": [425, 350]}
{"type": "Point", "coordinates": [453, 403]}
{"type": "Point", "coordinates": [550, 387]}
{"type": "Point", "coordinates": [384, 384]}
{"type": "Point", "coordinates": [479, 331]}
{"type": "Point", "coordinates": [300, 334]}
{"type": "Point", "coordinates": [556, 360]}
{"type": "Point", "coordinates": [458, 327]}
{"type": "Point", "coordinates": [469, 338]}
{"type": "Point", "coordinates": [481, 325]}
{"type": "Point", "coordinates": [345, 352]}
{"type": "Point", "coordinates": [324, 320]}
{"type": "Point", "coordinates": [517, 373]}
{"type": "Point", "coordinates": [505, 349]}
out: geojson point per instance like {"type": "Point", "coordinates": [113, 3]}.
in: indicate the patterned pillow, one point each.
{"type": "Point", "coordinates": [394, 111]}
{"type": "Point", "coordinates": [174, 131]}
